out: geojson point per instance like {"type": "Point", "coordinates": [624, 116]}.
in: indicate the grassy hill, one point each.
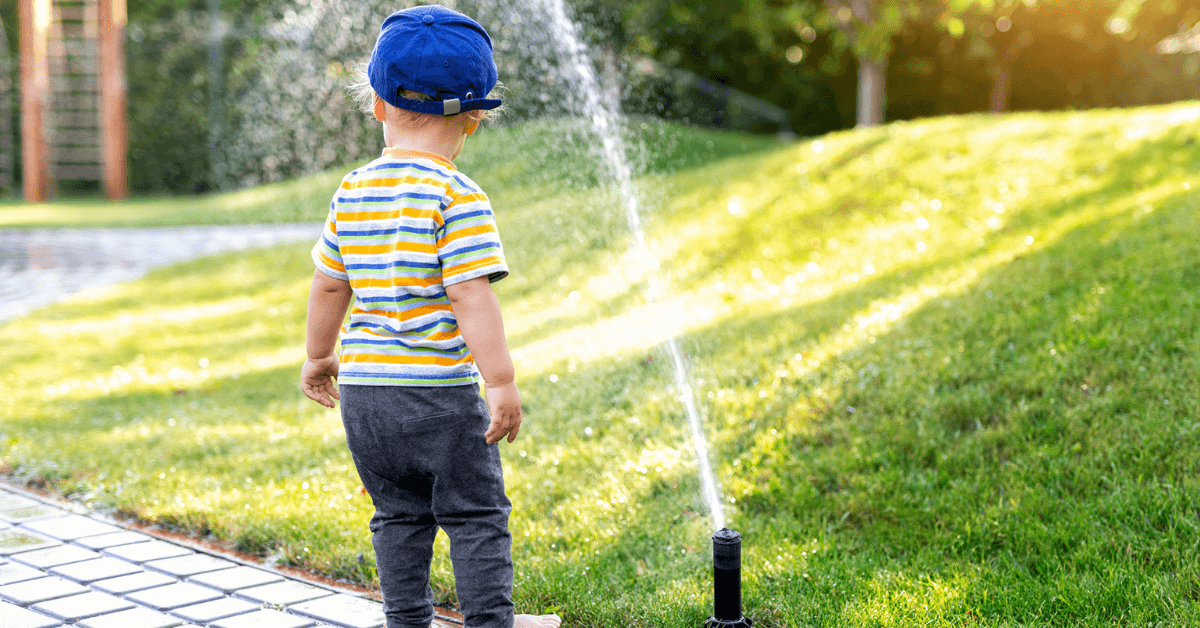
{"type": "Point", "coordinates": [948, 370]}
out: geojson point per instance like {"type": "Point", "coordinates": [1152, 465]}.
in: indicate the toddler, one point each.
{"type": "Point", "coordinates": [412, 243]}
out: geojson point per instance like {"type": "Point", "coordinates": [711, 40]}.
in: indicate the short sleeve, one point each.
{"type": "Point", "coordinates": [468, 243]}
{"type": "Point", "coordinates": [326, 254]}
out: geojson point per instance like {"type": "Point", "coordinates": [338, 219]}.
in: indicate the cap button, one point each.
{"type": "Point", "coordinates": [427, 20]}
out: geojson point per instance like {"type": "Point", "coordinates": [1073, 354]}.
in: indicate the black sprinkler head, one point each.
{"type": "Point", "coordinates": [727, 581]}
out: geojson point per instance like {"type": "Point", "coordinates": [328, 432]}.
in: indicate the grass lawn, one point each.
{"type": "Point", "coordinates": [949, 373]}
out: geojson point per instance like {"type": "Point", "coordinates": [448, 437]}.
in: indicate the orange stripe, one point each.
{"type": "Point", "coordinates": [441, 335]}
{"type": "Point", "coordinates": [394, 181]}
{"type": "Point", "coordinates": [468, 198]}
{"type": "Point", "coordinates": [406, 212]}
{"type": "Point", "coordinates": [405, 359]}
{"type": "Point", "coordinates": [375, 249]}
{"type": "Point", "coordinates": [468, 267]}
{"type": "Point", "coordinates": [396, 282]}
{"type": "Point", "coordinates": [333, 264]}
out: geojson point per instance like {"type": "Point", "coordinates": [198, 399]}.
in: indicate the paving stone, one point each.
{"type": "Point", "coordinates": [283, 593]}
{"type": "Point", "coordinates": [216, 609]}
{"type": "Point", "coordinates": [39, 590]}
{"type": "Point", "coordinates": [175, 596]}
{"type": "Point", "coordinates": [124, 537]}
{"type": "Point", "coordinates": [70, 527]}
{"type": "Point", "coordinates": [17, 617]}
{"type": "Point", "coordinates": [82, 606]}
{"type": "Point", "coordinates": [230, 580]}
{"type": "Point", "coordinates": [132, 583]}
{"type": "Point", "coordinates": [8, 501]}
{"type": "Point", "coordinates": [268, 618]}
{"type": "Point", "coordinates": [15, 540]}
{"type": "Point", "coordinates": [29, 513]}
{"type": "Point", "coordinates": [343, 610]}
{"type": "Point", "coordinates": [101, 568]}
{"type": "Point", "coordinates": [133, 618]}
{"type": "Point", "coordinates": [150, 550]}
{"type": "Point", "coordinates": [54, 556]}
{"type": "Point", "coordinates": [191, 565]}
{"type": "Point", "coordinates": [13, 572]}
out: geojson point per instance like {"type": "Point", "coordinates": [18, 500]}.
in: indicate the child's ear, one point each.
{"type": "Point", "coordinates": [380, 113]}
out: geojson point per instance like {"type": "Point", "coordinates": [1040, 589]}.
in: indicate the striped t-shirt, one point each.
{"type": "Point", "coordinates": [400, 230]}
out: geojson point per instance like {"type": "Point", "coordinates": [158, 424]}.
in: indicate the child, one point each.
{"type": "Point", "coordinates": [413, 243]}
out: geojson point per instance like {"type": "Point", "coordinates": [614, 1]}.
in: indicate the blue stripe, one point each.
{"type": "Point", "coordinates": [414, 230]}
{"type": "Point", "coordinates": [389, 199]}
{"type": "Point", "coordinates": [469, 249]}
{"type": "Point", "coordinates": [409, 164]}
{"type": "Point", "coordinates": [476, 214]}
{"type": "Point", "coordinates": [447, 376]}
{"type": "Point", "coordinates": [459, 348]}
{"type": "Point", "coordinates": [389, 328]}
{"type": "Point", "coordinates": [332, 245]}
{"type": "Point", "coordinates": [404, 264]}
{"type": "Point", "coordinates": [391, 165]}
{"type": "Point", "coordinates": [440, 295]}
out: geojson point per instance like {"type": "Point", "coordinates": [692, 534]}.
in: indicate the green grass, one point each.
{"type": "Point", "coordinates": [550, 161]}
{"type": "Point", "coordinates": [948, 370]}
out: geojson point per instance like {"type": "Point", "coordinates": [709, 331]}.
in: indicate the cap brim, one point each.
{"type": "Point", "coordinates": [445, 107]}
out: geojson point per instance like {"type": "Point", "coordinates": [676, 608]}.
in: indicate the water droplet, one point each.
{"type": "Point", "coordinates": [203, 363]}
{"type": "Point", "coordinates": [922, 224]}
{"type": "Point", "coordinates": [587, 431]}
{"type": "Point", "coordinates": [735, 206]}
{"type": "Point", "coordinates": [818, 147]}
{"type": "Point", "coordinates": [921, 246]}
{"type": "Point", "coordinates": [935, 205]}
{"type": "Point", "coordinates": [1028, 240]}
{"type": "Point", "coordinates": [554, 379]}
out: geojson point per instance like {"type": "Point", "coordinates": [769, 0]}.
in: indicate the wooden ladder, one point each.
{"type": "Point", "coordinates": [73, 116]}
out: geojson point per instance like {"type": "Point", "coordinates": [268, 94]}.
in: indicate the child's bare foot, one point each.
{"type": "Point", "coordinates": [536, 621]}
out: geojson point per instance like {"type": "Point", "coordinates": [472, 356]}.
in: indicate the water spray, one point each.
{"type": "Point", "coordinates": [602, 110]}
{"type": "Point", "coordinates": [727, 581]}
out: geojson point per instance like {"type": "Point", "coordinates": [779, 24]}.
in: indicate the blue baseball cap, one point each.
{"type": "Point", "coordinates": [434, 51]}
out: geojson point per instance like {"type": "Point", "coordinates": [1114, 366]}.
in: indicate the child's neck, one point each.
{"type": "Point", "coordinates": [439, 139]}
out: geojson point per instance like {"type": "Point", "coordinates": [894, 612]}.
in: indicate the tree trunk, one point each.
{"type": "Point", "coordinates": [872, 90]}
{"type": "Point", "coordinates": [1002, 81]}
{"type": "Point", "coordinates": [1001, 87]}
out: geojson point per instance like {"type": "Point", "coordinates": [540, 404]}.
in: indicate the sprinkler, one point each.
{"type": "Point", "coordinates": [727, 581]}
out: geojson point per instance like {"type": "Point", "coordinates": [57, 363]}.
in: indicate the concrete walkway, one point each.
{"type": "Point", "coordinates": [64, 568]}
{"type": "Point", "coordinates": [41, 266]}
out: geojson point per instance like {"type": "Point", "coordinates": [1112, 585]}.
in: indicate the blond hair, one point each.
{"type": "Point", "coordinates": [365, 97]}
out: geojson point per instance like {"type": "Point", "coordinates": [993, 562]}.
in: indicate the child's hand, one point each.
{"type": "Point", "coordinates": [504, 404]}
{"type": "Point", "coordinates": [317, 379]}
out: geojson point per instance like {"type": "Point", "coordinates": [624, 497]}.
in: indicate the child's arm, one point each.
{"type": "Point", "coordinates": [327, 303]}
{"type": "Point", "coordinates": [478, 313]}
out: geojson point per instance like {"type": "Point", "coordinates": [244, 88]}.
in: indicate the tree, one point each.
{"type": "Point", "coordinates": [866, 29]}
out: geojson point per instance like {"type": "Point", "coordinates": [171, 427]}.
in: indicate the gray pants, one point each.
{"type": "Point", "coordinates": [422, 457]}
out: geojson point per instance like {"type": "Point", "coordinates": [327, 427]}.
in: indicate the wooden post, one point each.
{"type": "Point", "coordinates": [35, 19]}
{"type": "Point", "coordinates": [113, 124]}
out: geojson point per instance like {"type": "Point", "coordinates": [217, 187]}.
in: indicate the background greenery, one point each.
{"type": "Point", "coordinates": [962, 400]}
{"type": "Point", "coordinates": [280, 110]}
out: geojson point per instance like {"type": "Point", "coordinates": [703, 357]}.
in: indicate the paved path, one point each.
{"type": "Point", "coordinates": [41, 266]}
{"type": "Point", "coordinates": [62, 568]}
